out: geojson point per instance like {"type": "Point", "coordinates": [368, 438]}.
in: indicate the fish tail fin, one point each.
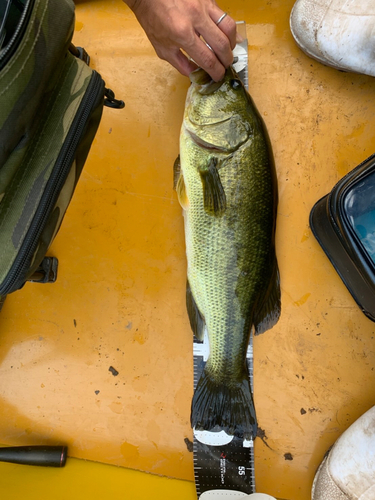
{"type": "Point", "coordinates": [226, 405]}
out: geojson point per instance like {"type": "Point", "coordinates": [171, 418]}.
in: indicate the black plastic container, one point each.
{"type": "Point", "coordinates": [343, 222]}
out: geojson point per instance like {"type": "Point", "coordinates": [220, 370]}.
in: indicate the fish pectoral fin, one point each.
{"type": "Point", "coordinates": [268, 314]}
{"type": "Point", "coordinates": [181, 193]}
{"type": "Point", "coordinates": [179, 184]}
{"type": "Point", "coordinates": [176, 171]}
{"type": "Point", "coordinates": [196, 319]}
{"type": "Point", "coordinates": [214, 198]}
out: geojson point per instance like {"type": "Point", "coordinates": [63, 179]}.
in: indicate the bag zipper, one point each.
{"type": "Point", "coordinates": [7, 52]}
{"type": "Point", "coordinates": [61, 169]}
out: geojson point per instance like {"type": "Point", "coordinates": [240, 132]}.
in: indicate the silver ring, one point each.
{"type": "Point", "coordinates": [221, 18]}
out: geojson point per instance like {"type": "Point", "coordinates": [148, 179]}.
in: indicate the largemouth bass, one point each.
{"type": "Point", "coordinates": [226, 184]}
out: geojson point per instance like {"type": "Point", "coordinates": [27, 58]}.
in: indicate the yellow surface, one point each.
{"type": "Point", "coordinates": [119, 298]}
{"type": "Point", "coordinates": [83, 480]}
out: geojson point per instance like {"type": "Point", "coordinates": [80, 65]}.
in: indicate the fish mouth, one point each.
{"type": "Point", "coordinates": [203, 82]}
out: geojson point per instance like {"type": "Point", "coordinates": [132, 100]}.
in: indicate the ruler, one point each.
{"type": "Point", "coordinates": [223, 464]}
{"type": "Point", "coordinates": [240, 55]}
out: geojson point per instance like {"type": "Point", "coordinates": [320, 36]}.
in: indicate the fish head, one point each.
{"type": "Point", "coordinates": [216, 113]}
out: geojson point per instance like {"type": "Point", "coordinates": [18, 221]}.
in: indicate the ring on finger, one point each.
{"type": "Point", "coordinates": [221, 18]}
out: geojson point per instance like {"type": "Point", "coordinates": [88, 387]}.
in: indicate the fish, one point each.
{"type": "Point", "coordinates": [226, 183]}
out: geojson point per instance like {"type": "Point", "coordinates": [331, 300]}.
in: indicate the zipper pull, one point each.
{"type": "Point", "coordinates": [110, 101]}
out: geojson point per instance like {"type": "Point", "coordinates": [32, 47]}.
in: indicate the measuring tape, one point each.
{"type": "Point", "coordinates": [222, 464]}
{"type": "Point", "coordinates": [240, 55]}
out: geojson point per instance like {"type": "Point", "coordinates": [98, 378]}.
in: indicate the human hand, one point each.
{"type": "Point", "coordinates": [172, 25]}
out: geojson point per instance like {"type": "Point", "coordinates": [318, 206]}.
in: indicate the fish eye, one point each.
{"type": "Point", "coordinates": [235, 84]}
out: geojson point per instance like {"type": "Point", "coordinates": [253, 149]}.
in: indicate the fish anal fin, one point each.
{"type": "Point", "coordinates": [196, 319]}
{"type": "Point", "coordinates": [214, 198]}
{"type": "Point", "coordinates": [268, 314]}
{"type": "Point", "coordinates": [228, 406]}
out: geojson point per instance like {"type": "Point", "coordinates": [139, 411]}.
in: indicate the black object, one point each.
{"type": "Point", "coordinates": [343, 222]}
{"type": "Point", "coordinates": [47, 456]}
{"type": "Point", "coordinates": [46, 272]}
{"type": "Point", "coordinates": [111, 102]}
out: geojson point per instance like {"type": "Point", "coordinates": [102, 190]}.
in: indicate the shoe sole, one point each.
{"type": "Point", "coordinates": [318, 471]}
{"type": "Point", "coordinates": [310, 54]}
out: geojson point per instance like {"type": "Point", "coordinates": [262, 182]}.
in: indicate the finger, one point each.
{"type": "Point", "coordinates": [178, 60]}
{"type": "Point", "coordinates": [206, 59]}
{"type": "Point", "coordinates": [227, 25]}
{"type": "Point", "coordinates": [185, 65]}
{"type": "Point", "coordinates": [218, 39]}
{"type": "Point", "coordinates": [220, 44]}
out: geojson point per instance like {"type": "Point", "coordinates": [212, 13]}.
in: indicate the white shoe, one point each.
{"type": "Point", "coordinates": [348, 470]}
{"type": "Point", "coordinates": [337, 33]}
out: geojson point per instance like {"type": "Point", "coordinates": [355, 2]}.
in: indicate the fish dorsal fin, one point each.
{"type": "Point", "coordinates": [196, 319]}
{"type": "Point", "coordinates": [268, 314]}
{"type": "Point", "coordinates": [214, 198]}
{"type": "Point", "coordinates": [176, 171]}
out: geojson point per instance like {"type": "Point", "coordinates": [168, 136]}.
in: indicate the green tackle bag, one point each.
{"type": "Point", "coordinates": [50, 107]}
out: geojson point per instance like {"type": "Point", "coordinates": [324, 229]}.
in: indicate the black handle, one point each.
{"type": "Point", "coordinates": [48, 456]}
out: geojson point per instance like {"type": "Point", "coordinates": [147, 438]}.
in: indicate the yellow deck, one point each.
{"type": "Point", "coordinates": [119, 300]}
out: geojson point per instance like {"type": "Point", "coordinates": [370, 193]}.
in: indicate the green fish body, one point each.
{"type": "Point", "coordinates": [227, 186]}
